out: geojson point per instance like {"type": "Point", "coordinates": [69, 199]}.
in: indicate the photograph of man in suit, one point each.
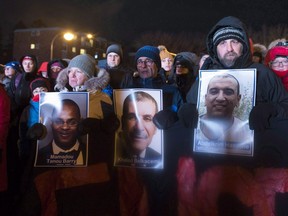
{"type": "Point", "coordinates": [66, 148]}
{"type": "Point", "coordinates": [137, 132]}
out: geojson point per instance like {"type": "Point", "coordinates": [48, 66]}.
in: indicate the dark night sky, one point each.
{"type": "Point", "coordinates": [123, 20]}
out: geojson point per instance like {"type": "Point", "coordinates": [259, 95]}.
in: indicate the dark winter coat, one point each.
{"type": "Point", "coordinates": [19, 89]}
{"type": "Point", "coordinates": [185, 81]}
{"type": "Point", "coordinates": [209, 183]}
{"type": "Point", "coordinates": [4, 127]}
{"type": "Point", "coordinates": [88, 190]}
{"type": "Point", "coordinates": [117, 74]}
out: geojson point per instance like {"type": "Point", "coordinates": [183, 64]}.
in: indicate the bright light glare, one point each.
{"type": "Point", "coordinates": [89, 36]}
{"type": "Point", "coordinates": [68, 36]}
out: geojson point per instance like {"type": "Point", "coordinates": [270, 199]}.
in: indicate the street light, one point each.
{"type": "Point", "coordinates": [67, 36]}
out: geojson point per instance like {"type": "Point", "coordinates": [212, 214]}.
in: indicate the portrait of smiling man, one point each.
{"type": "Point", "coordinates": [66, 147]}
{"type": "Point", "coordinates": [222, 97]}
{"type": "Point", "coordinates": [138, 131]}
{"type": "Point", "coordinates": [219, 125]}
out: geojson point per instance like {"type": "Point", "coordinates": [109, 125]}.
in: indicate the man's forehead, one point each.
{"type": "Point", "coordinates": [222, 81]}
{"type": "Point", "coordinates": [65, 108]}
{"type": "Point", "coordinates": [144, 102]}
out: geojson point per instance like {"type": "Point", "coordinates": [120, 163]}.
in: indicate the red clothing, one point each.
{"type": "Point", "coordinates": [4, 127]}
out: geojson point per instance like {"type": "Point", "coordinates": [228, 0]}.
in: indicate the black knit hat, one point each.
{"type": "Point", "coordinates": [149, 52]}
{"type": "Point", "coordinates": [116, 48]}
{"type": "Point", "coordinates": [228, 33]}
{"type": "Point", "coordinates": [39, 82]}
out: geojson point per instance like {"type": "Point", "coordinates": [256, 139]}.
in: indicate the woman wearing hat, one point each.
{"type": "Point", "coordinates": [82, 74]}
{"type": "Point", "coordinates": [277, 60]}
{"type": "Point", "coordinates": [95, 181]}
{"type": "Point", "coordinates": [11, 68]}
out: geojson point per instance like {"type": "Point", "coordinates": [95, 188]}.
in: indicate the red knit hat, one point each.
{"type": "Point", "coordinates": [275, 52]}
{"type": "Point", "coordinates": [280, 50]}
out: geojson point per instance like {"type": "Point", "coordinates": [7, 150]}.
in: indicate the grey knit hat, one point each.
{"type": "Point", "coordinates": [228, 33]}
{"type": "Point", "coordinates": [116, 48]}
{"type": "Point", "coordinates": [85, 63]}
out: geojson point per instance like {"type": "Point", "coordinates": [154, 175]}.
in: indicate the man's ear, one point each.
{"type": "Point", "coordinates": [205, 99]}
{"type": "Point", "coordinates": [238, 100]}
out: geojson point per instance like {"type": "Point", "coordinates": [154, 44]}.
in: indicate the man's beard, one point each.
{"type": "Point", "coordinates": [228, 62]}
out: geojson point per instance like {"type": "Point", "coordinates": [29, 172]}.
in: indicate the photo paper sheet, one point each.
{"type": "Point", "coordinates": [61, 113]}
{"type": "Point", "coordinates": [138, 142]}
{"type": "Point", "coordinates": [225, 99]}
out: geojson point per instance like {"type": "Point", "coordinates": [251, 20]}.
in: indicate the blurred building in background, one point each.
{"type": "Point", "coordinates": [49, 43]}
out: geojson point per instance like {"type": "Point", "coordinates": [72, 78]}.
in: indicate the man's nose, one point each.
{"type": "Point", "coordinates": [229, 47]}
{"type": "Point", "coordinates": [139, 124]}
{"type": "Point", "coordinates": [65, 125]}
{"type": "Point", "coordinates": [220, 96]}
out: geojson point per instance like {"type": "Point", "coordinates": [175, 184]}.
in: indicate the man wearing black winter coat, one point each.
{"type": "Point", "coordinates": [229, 48]}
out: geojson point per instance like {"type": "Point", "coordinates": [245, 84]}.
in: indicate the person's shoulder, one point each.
{"type": "Point", "coordinates": [262, 70]}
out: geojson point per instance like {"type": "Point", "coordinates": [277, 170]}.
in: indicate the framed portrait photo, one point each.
{"type": "Point", "coordinates": [138, 142]}
{"type": "Point", "coordinates": [61, 113]}
{"type": "Point", "coordinates": [225, 99]}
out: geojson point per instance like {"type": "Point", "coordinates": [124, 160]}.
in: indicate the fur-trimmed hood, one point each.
{"type": "Point", "coordinates": [95, 83]}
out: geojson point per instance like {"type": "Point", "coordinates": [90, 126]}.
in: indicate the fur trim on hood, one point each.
{"type": "Point", "coordinates": [260, 48]}
{"type": "Point", "coordinates": [94, 83]}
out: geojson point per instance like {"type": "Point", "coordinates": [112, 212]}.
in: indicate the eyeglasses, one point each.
{"type": "Point", "coordinates": [147, 62]}
{"type": "Point", "coordinates": [277, 63]}
{"type": "Point", "coordinates": [59, 122]}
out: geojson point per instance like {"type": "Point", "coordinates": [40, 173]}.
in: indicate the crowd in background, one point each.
{"type": "Point", "coordinates": [155, 67]}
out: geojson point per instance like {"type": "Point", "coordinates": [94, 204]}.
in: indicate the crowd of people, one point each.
{"type": "Point", "coordinates": [183, 186]}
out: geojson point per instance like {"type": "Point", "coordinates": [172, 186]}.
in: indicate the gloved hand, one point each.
{"type": "Point", "coordinates": [188, 115]}
{"type": "Point", "coordinates": [269, 156]}
{"type": "Point", "coordinates": [165, 119]}
{"type": "Point", "coordinates": [110, 124]}
{"type": "Point", "coordinates": [88, 125]}
{"type": "Point", "coordinates": [260, 116]}
{"type": "Point", "coordinates": [37, 131]}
